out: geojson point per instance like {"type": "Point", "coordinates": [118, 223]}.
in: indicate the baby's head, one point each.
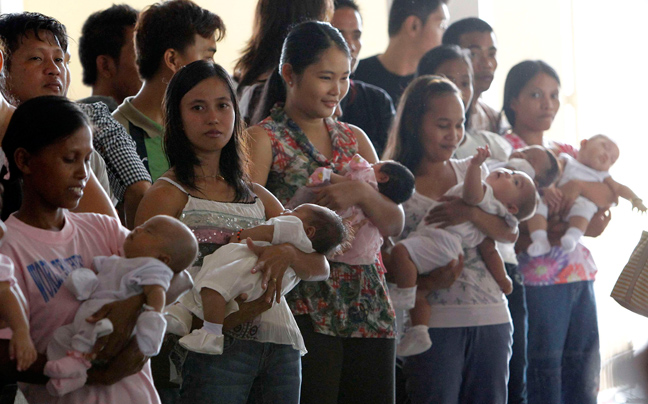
{"type": "Point", "coordinates": [543, 161]}
{"type": "Point", "coordinates": [325, 228]}
{"type": "Point", "coordinates": [598, 152]}
{"type": "Point", "coordinates": [515, 190]}
{"type": "Point", "coordinates": [395, 181]}
{"type": "Point", "coordinates": [165, 238]}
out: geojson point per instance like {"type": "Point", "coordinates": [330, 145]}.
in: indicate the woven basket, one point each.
{"type": "Point", "coordinates": [631, 289]}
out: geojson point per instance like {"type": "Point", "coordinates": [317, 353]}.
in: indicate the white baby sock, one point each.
{"type": "Point", "coordinates": [571, 239]}
{"type": "Point", "coordinates": [213, 328]}
{"type": "Point", "coordinates": [415, 341]}
{"type": "Point", "coordinates": [403, 298]}
{"type": "Point", "coordinates": [208, 340]}
{"type": "Point", "coordinates": [540, 243]}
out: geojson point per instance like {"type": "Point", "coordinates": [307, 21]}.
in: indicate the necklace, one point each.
{"type": "Point", "coordinates": [217, 176]}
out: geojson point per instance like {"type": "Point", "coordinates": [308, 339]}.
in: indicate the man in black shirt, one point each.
{"type": "Point", "coordinates": [368, 107]}
{"type": "Point", "coordinates": [415, 27]}
{"type": "Point", "coordinates": [478, 37]}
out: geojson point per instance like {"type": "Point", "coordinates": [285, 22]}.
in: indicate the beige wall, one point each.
{"type": "Point", "coordinates": [237, 14]}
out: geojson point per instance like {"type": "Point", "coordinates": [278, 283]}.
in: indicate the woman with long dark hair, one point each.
{"type": "Point", "coordinates": [470, 325]}
{"type": "Point", "coordinates": [347, 321]}
{"type": "Point", "coordinates": [272, 21]}
{"type": "Point", "coordinates": [563, 347]}
{"type": "Point", "coordinates": [207, 187]}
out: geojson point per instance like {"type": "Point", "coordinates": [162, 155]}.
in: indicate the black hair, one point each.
{"type": "Point", "coordinates": [171, 25]}
{"type": "Point", "coordinates": [302, 47]}
{"type": "Point", "coordinates": [400, 186]}
{"type": "Point", "coordinates": [404, 143]}
{"type": "Point", "coordinates": [103, 34]}
{"type": "Point", "coordinates": [179, 150]}
{"type": "Point", "coordinates": [518, 77]}
{"type": "Point", "coordinates": [434, 58]}
{"type": "Point", "coordinates": [347, 4]}
{"type": "Point", "coordinates": [273, 20]}
{"type": "Point", "coordinates": [453, 34]}
{"type": "Point", "coordinates": [552, 173]}
{"type": "Point", "coordinates": [401, 9]}
{"type": "Point", "coordinates": [16, 26]}
{"type": "Point", "coordinates": [38, 123]}
{"type": "Point", "coordinates": [330, 230]}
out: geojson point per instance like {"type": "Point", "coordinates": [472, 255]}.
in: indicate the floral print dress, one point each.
{"type": "Point", "coordinates": [353, 301]}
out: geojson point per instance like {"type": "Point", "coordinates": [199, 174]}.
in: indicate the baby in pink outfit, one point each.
{"type": "Point", "coordinates": [390, 178]}
{"type": "Point", "coordinates": [153, 254]}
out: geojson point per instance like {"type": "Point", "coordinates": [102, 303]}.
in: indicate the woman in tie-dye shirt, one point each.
{"type": "Point", "coordinates": [563, 349]}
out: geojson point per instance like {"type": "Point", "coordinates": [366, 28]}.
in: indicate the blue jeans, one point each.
{"type": "Point", "coordinates": [564, 357]}
{"type": "Point", "coordinates": [246, 372]}
{"type": "Point", "coordinates": [464, 365]}
{"type": "Point", "coordinates": [517, 385]}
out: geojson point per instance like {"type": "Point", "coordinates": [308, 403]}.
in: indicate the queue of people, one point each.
{"type": "Point", "coordinates": [171, 158]}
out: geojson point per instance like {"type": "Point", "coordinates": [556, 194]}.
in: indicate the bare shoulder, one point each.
{"type": "Point", "coordinates": [162, 198]}
{"type": "Point", "coordinates": [365, 147]}
{"type": "Point", "coordinates": [272, 205]}
{"type": "Point", "coordinates": [258, 134]}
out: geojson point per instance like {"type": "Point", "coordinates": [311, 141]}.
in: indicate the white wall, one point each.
{"type": "Point", "coordinates": [11, 6]}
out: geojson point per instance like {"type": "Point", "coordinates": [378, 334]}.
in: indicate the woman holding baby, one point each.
{"type": "Point", "coordinates": [46, 241]}
{"type": "Point", "coordinates": [208, 189]}
{"type": "Point", "coordinates": [347, 321]}
{"type": "Point", "coordinates": [563, 349]}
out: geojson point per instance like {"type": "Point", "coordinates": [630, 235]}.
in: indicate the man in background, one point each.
{"type": "Point", "coordinates": [415, 27]}
{"type": "Point", "coordinates": [107, 54]}
{"type": "Point", "coordinates": [478, 37]}
{"type": "Point", "coordinates": [168, 36]}
{"type": "Point", "coordinates": [366, 106]}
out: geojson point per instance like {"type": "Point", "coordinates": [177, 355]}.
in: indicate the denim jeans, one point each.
{"type": "Point", "coordinates": [564, 357]}
{"type": "Point", "coordinates": [464, 365]}
{"type": "Point", "coordinates": [246, 372]}
{"type": "Point", "coordinates": [517, 385]}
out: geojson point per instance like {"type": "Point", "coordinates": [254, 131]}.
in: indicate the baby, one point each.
{"type": "Point", "coordinates": [537, 162]}
{"type": "Point", "coordinates": [508, 194]}
{"type": "Point", "coordinates": [227, 273]}
{"type": "Point", "coordinates": [154, 252]}
{"type": "Point", "coordinates": [390, 178]}
{"type": "Point", "coordinates": [12, 313]}
{"type": "Point", "coordinates": [595, 157]}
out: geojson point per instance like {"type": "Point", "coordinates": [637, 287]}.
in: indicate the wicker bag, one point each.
{"type": "Point", "coordinates": [631, 289]}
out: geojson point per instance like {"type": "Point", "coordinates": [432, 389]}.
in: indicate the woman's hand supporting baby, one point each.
{"type": "Point", "coordinates": [123, 315]}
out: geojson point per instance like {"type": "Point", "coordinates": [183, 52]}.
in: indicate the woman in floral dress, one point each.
{"type": "Point", "coordinates": [347, 321]}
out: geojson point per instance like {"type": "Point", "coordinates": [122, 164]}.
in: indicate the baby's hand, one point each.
{"type": "Point", "coordinates": [638, 204]}
{"type": "Point", "coordinates": [481, 155]}
{"type": "Point", "coordinates": [21, 349]}
{"type": "Point", "coordinates": [553, 199]}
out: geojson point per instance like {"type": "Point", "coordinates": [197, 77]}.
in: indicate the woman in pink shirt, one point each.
{"type": "Point", "coordinates": [48, 144]}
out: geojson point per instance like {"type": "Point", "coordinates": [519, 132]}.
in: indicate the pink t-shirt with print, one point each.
{"type": "Point", "coordinates": [7, 270]}
{"type": "Point", "coordinates": [43, 259]}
